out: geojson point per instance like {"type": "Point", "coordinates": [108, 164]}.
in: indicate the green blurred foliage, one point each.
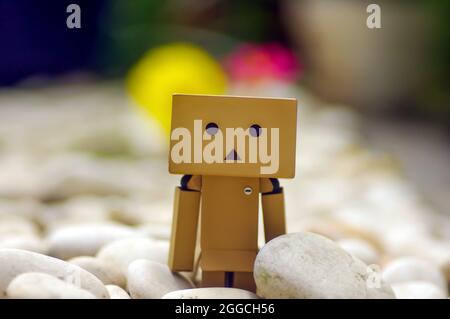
{"type": "Point", "coordinates": [129, 28]}
{"type": "Point", "coordinates": [435, 98]}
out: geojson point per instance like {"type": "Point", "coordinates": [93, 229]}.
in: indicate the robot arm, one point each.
{"type": "Point", "coordinates": [273, 208]}
{"type": "Point", "coordinates": [184, 224]}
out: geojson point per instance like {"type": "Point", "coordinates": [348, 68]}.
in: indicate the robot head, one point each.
{"type": "Point", "coordinates": [233, 136]}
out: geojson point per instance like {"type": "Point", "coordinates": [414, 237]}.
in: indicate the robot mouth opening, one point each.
{"type": "Point", "coordinates": [232, 156]}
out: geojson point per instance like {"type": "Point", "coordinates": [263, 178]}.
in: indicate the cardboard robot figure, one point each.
{"type": "Point", "coordinates": [231, 150]}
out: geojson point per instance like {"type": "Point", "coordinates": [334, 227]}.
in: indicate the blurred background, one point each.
{"type": "Point", "coordinates": [84, 112]}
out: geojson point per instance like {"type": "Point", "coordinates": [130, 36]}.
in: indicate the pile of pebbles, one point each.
{"type": "Point", "coordinates": [86, 208]}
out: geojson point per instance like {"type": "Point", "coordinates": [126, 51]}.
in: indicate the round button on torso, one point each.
{"type": "Point", "coordinates": [248, 190]}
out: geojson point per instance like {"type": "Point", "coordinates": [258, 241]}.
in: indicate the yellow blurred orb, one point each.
{"type": "Point", "coordinates": [174, 68]}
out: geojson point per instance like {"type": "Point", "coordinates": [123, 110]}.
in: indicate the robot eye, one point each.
{"type": "Point", "coordinates": [255, 130]}
{"type": "Point", "coordinates": [212, 128]}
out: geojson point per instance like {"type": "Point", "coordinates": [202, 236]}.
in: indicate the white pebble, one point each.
{"type": "Point", "coordinates": [33, 285]}
{"type": "Point", "coordinates": [360, 249]}
{"type": "Point", "coordinates": [85, 240]}
{"type": "Point", "coordinates": [23, 207]}
{"type": "Point", "coordinates": [418, 290]}
{"type": "Point", "coordinates": [414, 269]}
{"type": "Point", "coordinates": [210, 293]}
{"type": "Point", "coordinates": [306, 265]}
{"type": "Point", "coordinates": [137, 211]}
{"type": "Point", "coordinates": [115, 292]}
{"type": "Point", "coordinates": [156, 231]}
{"type": "Point", "coordinates": [108, 273]}
{"type": "Point", "coordinates": [25, 242]}
{"type": "Point", "coordinates": [11, 225]}
{"type": "Point", "coordinates": [423, 247]}
{"type": "Point", "coordinates": [123, 252]}
{"type": "Point", "coordinates": [151, 280]}
{"type": "Point", "coordinates": [14, 262]}
{"type": "Point", "coordinates": [74, 211]}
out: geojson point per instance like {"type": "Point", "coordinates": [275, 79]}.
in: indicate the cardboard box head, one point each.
{"type": "Point", "coordinates": [233, 136]}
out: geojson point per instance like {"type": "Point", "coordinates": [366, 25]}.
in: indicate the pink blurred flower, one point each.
{"type": "Point", "coordinates": [254, 63]}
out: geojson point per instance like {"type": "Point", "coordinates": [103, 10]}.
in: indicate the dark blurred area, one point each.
{"type": "Point", "coordinates": [402, 67]}
{"type": "Point", "coordinates": [114, 34]}
{"type": "Point", "coordinates": [35, 39]}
